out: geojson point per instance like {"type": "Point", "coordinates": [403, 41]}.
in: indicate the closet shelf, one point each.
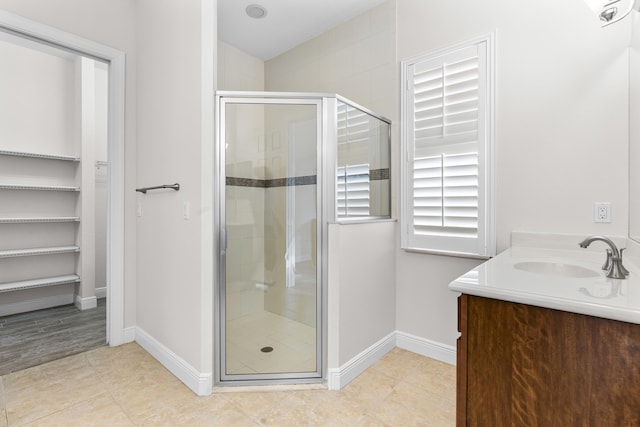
{"type": "Point", "coordinates": [39, 283]}
{"type": "Point", "coordinates": [38, 187]}
{"type": "Point", "coordinates": [39, 251]}
{"type": "Point", "coordinates": [39, 156]}
{"type": "Point", "coordinates": [39, 219]}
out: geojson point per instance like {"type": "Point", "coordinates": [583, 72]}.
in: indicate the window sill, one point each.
{"type": "Point", "coordinates": [445, 253]}
{"type": "Point", "coordinates": [363, 221]}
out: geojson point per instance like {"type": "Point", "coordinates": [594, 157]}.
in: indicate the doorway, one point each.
{"type": "Point", "coordinates": [58, 193]}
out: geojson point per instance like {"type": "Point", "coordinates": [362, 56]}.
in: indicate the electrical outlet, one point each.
{"type": "Point", "coordinates": [602, 212]}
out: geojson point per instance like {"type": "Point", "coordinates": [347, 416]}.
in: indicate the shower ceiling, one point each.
{"type": "Point", "coordinates": [287, 24]}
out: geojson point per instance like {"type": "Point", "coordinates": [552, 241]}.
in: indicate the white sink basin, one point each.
{"type": "Point", "coordinates": [556, 269]}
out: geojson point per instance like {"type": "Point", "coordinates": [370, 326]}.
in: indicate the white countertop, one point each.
{"type": "Point", "coordinates": [507, 277]}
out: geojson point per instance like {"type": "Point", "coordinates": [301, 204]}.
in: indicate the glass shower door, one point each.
{"type": "Point", "coordinates": [270, 282]}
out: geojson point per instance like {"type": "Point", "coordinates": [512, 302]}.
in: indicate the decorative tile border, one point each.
{"type": "Point", "coordinates": [379, 174]}
{"type": "Point", "coordinates": [245, 182]}
{"type": "Point", "coordinates": [374, 175]}
{"type": "Point", "coordinates": [292, 181]}
{"type": "Point", "coordinates": [272, 183]}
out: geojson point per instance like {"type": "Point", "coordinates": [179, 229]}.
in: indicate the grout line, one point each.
{"type": "Point", "coordinates": [255, 418]}
{"type": "Point", "coordinates": [67, 408]}
{"type": "Point", "coordinates": [110, 393]}
{"type": "Point", "coordinates": [109, 389]}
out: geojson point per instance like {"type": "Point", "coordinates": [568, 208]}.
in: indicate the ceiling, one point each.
{"type": "Point", "coordinates": [287, 23]}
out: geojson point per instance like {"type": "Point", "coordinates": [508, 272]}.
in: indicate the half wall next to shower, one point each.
{"type": "Point", "coordinates": [284, 179]}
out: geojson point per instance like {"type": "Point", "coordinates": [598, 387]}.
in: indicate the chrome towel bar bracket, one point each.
{"type": "Point", "coordinates": [144, 190]}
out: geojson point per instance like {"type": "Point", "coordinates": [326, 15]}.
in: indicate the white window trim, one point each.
{"type": "Point", "coordinates": [487, 241]}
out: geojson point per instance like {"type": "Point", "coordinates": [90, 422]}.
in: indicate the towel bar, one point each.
{"type": "Point", "coordinates": [144, 190]}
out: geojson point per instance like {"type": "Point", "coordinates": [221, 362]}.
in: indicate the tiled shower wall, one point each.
{"type": "Point", "coordinates": [245, 210]}
{"type": "Point", "coordinates": [292, 154]}
{"type": "Point", "coordinates": [261, 180]}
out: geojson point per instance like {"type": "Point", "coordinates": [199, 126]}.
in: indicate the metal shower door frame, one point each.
{"type": "Point", "coordinates": [325, 108]}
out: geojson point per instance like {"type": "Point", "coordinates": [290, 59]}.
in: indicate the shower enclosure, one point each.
{"type": "Point", "coordinates": [290, 163]}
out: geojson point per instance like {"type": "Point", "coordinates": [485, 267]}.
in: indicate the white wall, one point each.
{"type": "Point", "coordinates": [38, 104]}
{"type": "Point", "coordinates": [238, 70]}
{"type": "Point", "coordinates": [96, 20]}
{"type": "Point", "coordinates": [355, 60]}
{"type": "Point", "coordinates": [561, 130]}
{"type": "Point", "coordinates": [175, 139]}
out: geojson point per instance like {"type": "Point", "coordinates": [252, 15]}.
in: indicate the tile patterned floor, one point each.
{"type": "Point", "coordinates": [293, 343]}
{"type": "Point", "coordinates": [125, 386]}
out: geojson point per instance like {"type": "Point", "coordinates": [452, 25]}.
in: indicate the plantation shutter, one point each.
{"type": "Point", "coordinates": [353, 180]}
{"type": "Point", "coordinates": [353, 124]}
{"type": "Point", "coordinates": [445, 195]}
{"type": "Point", "coordinates": [446, 152]}
{"type": "Point", "coordinates": [353, 190]}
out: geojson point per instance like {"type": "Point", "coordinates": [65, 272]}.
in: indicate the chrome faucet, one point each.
{"type": "Point", "coordinates": [613, 264]}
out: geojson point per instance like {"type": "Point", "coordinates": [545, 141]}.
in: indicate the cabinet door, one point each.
{"type": "Point", "coordinates": [489, 363]}
{"type": "Point", "coordinates": [531, 366]}
{"type": "Point", "coordinates": [461, 363]}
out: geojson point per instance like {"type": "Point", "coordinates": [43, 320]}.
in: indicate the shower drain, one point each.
{"type": "Point", "coordinates": [266, 349]}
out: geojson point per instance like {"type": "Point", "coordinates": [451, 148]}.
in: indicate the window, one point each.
{"type": "Point", "coordinates": [447, 138]}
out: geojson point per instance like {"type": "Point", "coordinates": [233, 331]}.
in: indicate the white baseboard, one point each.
{"type": "Point", "coordinates": [85, 303]}
{"type": "Point", "coordinates": [340, 377]}
{"type": "Point", "coordinates": [35, 304]}
{"type": "Point", "coordinates": [425, 347]}
{"type": "Point", "coordinates": [129, 334]}
{"type": "Point", "coordinates": [199, 383]}
{"type": "Point", "coordinates": [337, 378]}
{"type": "Point", "coordinates": [101, 292]}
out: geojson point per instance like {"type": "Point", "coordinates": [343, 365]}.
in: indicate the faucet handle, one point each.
{"type": "Point", "coordinates": [609, 261]}
{"type": "Point", "coordinates": [616, 269]}
{"type": "Point", "coordinates": [622, 269]}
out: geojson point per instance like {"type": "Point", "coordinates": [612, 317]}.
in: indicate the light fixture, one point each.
{"type": "Point", "coordinates": [256, 11]}
{"type": "Point", "coordinates": [611, 11]}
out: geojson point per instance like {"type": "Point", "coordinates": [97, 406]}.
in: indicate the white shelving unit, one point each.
{"type": "Point", "coordinates": [53, 202]}
{"type": "Point", "coordinates": [38, 187]}
{"type": "Point", "coordinates": [39, 251]}
{"type": "Point", "coordinates": [39, 283]}
{"type": "Point", "coordinates": [39, 156]}
{"type": "Point", "coordinates": [23, 269]}
{"type": "Point", "coordinates": [33, 220]}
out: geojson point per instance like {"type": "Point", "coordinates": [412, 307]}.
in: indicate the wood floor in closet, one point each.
{"type": "Point", "coordinates": [37, 337]}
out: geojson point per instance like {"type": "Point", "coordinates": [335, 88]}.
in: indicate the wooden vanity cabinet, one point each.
{"type": "Point", "coordinates": [521, 365]}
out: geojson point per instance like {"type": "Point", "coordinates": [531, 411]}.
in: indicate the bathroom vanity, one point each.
{"type": "Point", "coordinates": [547, 340]}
